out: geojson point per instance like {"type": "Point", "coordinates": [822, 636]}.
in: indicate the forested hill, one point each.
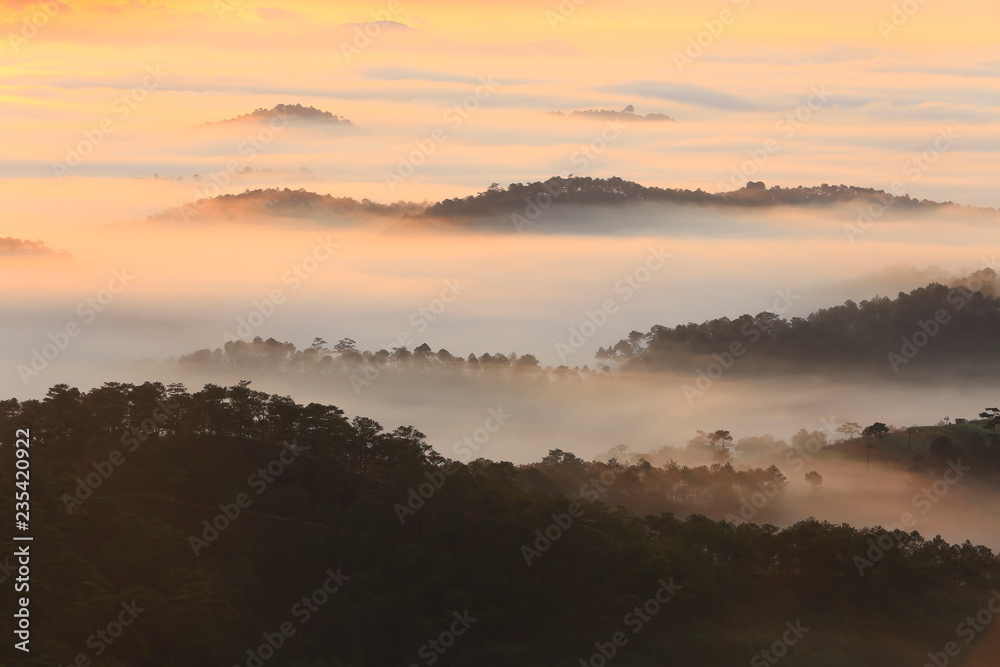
{"type": "Point", "coordinates": [936, 328]}
{"type": "Point", "coordinates": [251, 205]}
{"type": "Point", "coordinates": [286, 113]}
{"type": "Point", "coordinates": [231, 527]}
{"type": "Point", "coordinates": [585, 191]}
{"type": "Point", "coordinates": [528, 201]}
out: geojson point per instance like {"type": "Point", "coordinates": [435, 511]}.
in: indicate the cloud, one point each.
{"type": "Point", "coordinates": [687, 93]}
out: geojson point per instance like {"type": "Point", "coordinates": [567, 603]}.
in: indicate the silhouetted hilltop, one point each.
{"type": "Point", "coordinates": [587, 191]}
{"type": "Point", "coordinates": [941, 329]}
{"type": "Point", "coordinates": [274, 202]}
{"type": "Point", "coordinates": [628, 114]}
{"type": "Point", "coordinates": [518, 200]}
{"type": "Point", "coordinates": [12, 247]}
{"type": "Point", "coordinates": [290, 112]}
{"type": "Point", "coordinates": [936, 327]}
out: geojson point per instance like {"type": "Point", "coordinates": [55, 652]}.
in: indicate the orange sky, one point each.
{"type": "Point", "coordinates": [728, 72]}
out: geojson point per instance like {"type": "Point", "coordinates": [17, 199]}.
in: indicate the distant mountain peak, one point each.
{"type": "Point", "coordinates": [626, 114]}
{"type": "Point", "coordinates": [12, 247]}
{"type": "Point", "coordinates": [293, 112]}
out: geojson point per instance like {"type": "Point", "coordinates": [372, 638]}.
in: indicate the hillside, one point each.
{"type": "Point", "coordinates": [937, 328]}
{"type": "Point", "coordinates": [259, 204]}
{"type": "Point", "coordinates": [14, 247]}
{"type": "Point", "coordinates": [228, 520]}
{"type": "Point", "coordinates": [614, 191]}
{"type": "Point", "coordinates": [287, 112]}
{"type": "Point", "coordinates": [522, 203]}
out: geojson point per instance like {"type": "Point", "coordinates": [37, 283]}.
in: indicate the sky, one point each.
{"type": "Point", "coordinates": [111, 112]}
{"type": "Point", "coordinates": [823, 82]}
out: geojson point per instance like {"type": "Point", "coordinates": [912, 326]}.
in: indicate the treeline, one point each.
{"type": "Point", "coordinates": [285, 203]}
{"type": "Point", "coordinates": [587, 191]}
{"type": "Point", "coordinates": [344, 357]}
{"type": "Point", "coordinates": [628, 114]}
{"type": "Point", "coordinates": [936, 328]}
{"type": "Point", "coordinates": [289, 112]}
{"type": "Point", "coordinates": [522, 200]}
{"type": "Point", "coordinates": [14, 247]}
{"type": "Point", "coordinates": [242, 528]}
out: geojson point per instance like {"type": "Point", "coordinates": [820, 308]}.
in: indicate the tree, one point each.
{"type": "Point", "coordinates": [809, 441]}
{"type": "Point", "coordinates": [345, 345]}
{"type": "Point", "coordinates": [528, 360]}
{"type": "Point", "coordinates": [943, 449]}
{"type": "Point", "coordinates": [815, 479]}
{"type": "Point", "coordinates": [875, 432]}
{"type": "Point", "coordinates": [992, 417]}
{"type": "Point", "coordinates": [364, 446]}
{"type": "Point", "coordinates": [849, 429]}
{"type": "Point", "coordinates": [720, 438]}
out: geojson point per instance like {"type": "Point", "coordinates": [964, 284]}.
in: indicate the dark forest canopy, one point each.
{"type": "Point", "coordinates": [587, 191]}
{"type": "Point", "coordinates": [290, 112]}
{"type": "Point", "coordinates": [516, 201]}
{"type": "Point", "coordinates": [127, 482]}
{"type": "Point", "coordinates": [344, 356]}
{"type": "Point", "coordinates": [936, 327]}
